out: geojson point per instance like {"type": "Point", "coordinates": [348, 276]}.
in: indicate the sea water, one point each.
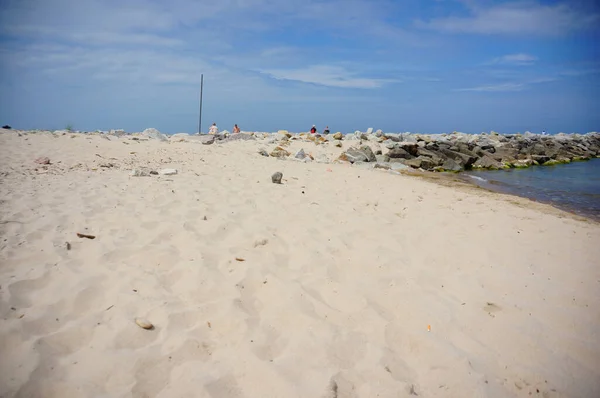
{"type": "Point", "coordinates": [574, 187]}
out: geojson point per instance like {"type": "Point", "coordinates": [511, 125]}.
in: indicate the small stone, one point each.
{"type": "Point", "coordinates": [261, 242]}
{"type": "Point", "coordinates": [168, 172]}
{"type": "Point", "coordinates": [279, 152]}
{"type": "Point", "coordinates": [338, 144]}
{"type": "Point", "coordinates": [263, 152]}
{"type": "Point", "coordinates": [139, 173]}
{"type": "Point", "coordinates": [42, 160]}
{"type": "Point", "coordinates": [144, 323]}
{"type": "Point", "coordinates": [300, 154]}
{"type": "Point", "coordinates": [338, 136]}
{"type": "Point", "coordinates": [276, 177]}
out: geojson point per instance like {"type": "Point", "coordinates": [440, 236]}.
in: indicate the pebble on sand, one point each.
{"type": "Point", "coordinates": [144, 323]}
{"type": "Point", "coordinates": [42, 160]}
{"type": "Point", "coordinates": [276, 177]}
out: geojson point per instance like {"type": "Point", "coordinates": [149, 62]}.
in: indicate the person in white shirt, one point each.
{"type": "Point", "coordinates": [213, 129]}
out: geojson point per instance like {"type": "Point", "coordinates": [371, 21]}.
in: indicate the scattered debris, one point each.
{"type": "Point", "coordinates": [109, 308]}
{"type": "Point", "coordinates": [144, 324]}
{"type": "Point", "coordinates": [239, 259]}
{"type": "Point", "coordinates": [276, 177]}
{"type": "Point", "coordinates": [68, 245]}
{"type": "Point", "coordinates": [208, 323]}
{"type": "Point", "coordinates": [85, 236]}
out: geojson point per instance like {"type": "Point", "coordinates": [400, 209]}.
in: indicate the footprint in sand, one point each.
{"type": "Point", "coordinates": [22, 292]}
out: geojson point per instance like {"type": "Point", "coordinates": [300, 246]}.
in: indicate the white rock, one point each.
{"type": "Point", "coordinates": [154, 134]}
{"type": "Point", "coordinates": [144, 323]}
{"type": "Point", "coordinates": [167, 172]}
{"type": "Point", "coordinates": [370, 130]}
{"type": "Point", "coordinates": [139, 173]}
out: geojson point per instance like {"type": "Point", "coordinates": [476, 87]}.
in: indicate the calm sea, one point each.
{"type": "Point", "coordinates": [574, 187]}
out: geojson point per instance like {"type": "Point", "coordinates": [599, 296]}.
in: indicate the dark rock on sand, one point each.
{"type": "Point", "coordinates": [276, 177]}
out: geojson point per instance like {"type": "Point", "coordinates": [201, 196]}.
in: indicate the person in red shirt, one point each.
{"type": "Point", "coordinates": [313, 130]}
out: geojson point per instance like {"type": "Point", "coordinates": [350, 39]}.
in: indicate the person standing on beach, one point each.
{"type": "Point", "coordinates": [236, 129]}
{"type": "Point", "coordinates": [313, 130]}
{"type": "Point", "coordinates": [213, 129]}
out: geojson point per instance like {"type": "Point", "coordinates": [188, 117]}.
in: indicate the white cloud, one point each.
{"type": "Point", "coordinates": [496, 87]}
{"type": "Point", "coordinates": [516, 18]}
{"type": "Point", "coordinates": [511, 86]}
{"type": "Point", "coordinates": [325, 75]}
{"type": "Point", "coordinates": [520, 59]}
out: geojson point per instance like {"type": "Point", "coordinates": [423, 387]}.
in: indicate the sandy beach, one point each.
{"type": "Point", "coordinates": [340, 282]}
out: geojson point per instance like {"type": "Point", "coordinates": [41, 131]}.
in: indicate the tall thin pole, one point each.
{"type": "Point", "coordinates": [200, 116]}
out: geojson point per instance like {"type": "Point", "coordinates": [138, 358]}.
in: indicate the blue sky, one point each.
{"type": "Point", "coordinates": [405, 65]}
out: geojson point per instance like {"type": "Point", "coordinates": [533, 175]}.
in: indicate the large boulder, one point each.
{"type": "Point", "coordinates": [422, 162]}
{"type": "Point", "coordinates": [362, 154]}
{"type": "Point", "coordinates": [207, 139]}
{"type": "Point", "coordinates": [154, 134]}
{"type": "Point", "coordinates": [369, 153]}
{"type": "Point", "coordinates": [410, 147]}
{"type": "Point", "coordinates": [399, 153]}
{"type": "Point", "coordinates": [487, 162]}
{"type": "Point", "coordinates": [451, 165]}
{"type": "Point", "coordinates": [505, 153]}
{"type": "Point", "coordinates": [465, 161]}
{"type": "Point", "coordinates": [338, 136]}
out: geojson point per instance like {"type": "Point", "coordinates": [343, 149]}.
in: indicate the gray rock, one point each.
{"type": "Point", "coordinates": [207, 139]}
{"type": "Point", "coordinates": [399, 153]}
{"type": "Point", "coordinates": [487, 162]}
{"type": "Point", "coordinates": [238, 137]}
{"type": "Point", "coordinates": [451, 165]}
{"type": "Point", "coordinates": [368, 153]}
{"type": "Point", "coordinates": [154, 134]}
{"type": "Point", "coordinates": [263, 152]}
{"type": "Point", "coordinates": [354, 155]}
{"type": "Point", "coordinates": [300, 154]}
{"type": "Point", "coordinates": [422, 162]}
{"type": "Point", "coordinates": [276, 177]}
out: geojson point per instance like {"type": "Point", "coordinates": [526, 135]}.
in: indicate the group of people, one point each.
{"type": "Point", "coordinates": [313, 130]}
{"type": "Point", "coordinates": [214, 129]}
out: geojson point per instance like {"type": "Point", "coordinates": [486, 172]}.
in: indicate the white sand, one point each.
{"type": "Point", "coordinates": [336, 303]}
